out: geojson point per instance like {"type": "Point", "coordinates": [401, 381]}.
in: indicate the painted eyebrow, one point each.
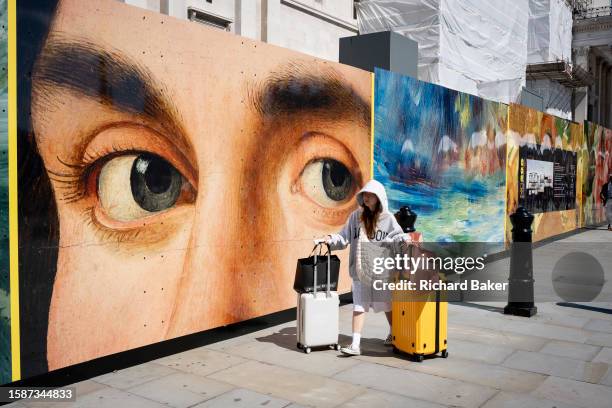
{"type": "Point", "coordinates": [293, 89]}
{"type": "Point", "coordinates": [110, 78]}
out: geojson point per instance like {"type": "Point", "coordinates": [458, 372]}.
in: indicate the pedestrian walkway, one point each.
{"type": "Point", "coordinates": [562, 357]}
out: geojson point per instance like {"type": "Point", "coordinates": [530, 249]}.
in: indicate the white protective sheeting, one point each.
{"type": "Point", "coordinates": [550, 31]}
{"type": "Point", "coordinates": [550, 40]}
{"type": "Point", "coordinates": [473, 46]}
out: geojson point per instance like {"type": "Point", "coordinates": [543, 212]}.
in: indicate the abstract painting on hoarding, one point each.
{"type": "Point", "coordinates": [443, 153]}
{"type": "Point", "coordinates": [598, 152]}
{"type": "Point", "coordinates": [543, 167]}
{"type": "Point", "coordinates": [171, 174]}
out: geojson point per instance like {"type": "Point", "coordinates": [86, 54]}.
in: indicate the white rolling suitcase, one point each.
{"type": "Point", "coordinates": [318, 315]}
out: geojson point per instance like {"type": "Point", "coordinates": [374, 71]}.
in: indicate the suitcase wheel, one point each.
{"type": "Point", "coordinates": [418, 358]}
{"type": "Point", "coordinates": [299, 345]}
{"type": "Point", "coordinates": [307, 350]}
{"type": "Point", "coordinates": [337, 347]}
{"type": "Point", "coordinates": [444, 353]}
{"type": "Point", "coordinates": [395, 350]}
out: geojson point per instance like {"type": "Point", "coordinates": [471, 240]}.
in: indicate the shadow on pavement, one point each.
{"type": "Point", "coordinates": [494, 309]}
{"type": "Point", "coordinates": [585, 307]}
{"type": "Point", "coordinates": [287, 339]}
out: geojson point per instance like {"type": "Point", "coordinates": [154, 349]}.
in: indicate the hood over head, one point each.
{"type": "Point", "coordinates": [377, 188]}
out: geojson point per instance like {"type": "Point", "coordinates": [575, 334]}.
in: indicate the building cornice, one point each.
{"type": "Point", "coordinates": [592, 24]}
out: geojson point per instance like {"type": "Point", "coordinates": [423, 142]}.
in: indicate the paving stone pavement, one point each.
{"type": "Point", "coordinates": [562, 358]}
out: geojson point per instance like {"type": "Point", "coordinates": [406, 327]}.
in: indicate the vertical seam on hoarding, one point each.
{"type": "Point", "coordinates": [372, 76]}
{"type": "Point", "coordinates": [12, 171]}
{"type": "Point", "coordinates": [506, 190]}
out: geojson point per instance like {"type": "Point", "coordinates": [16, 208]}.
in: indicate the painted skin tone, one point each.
{"type": "Point", "coordinates": [191, 168]}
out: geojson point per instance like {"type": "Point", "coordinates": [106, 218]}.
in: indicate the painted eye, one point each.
{"type": "Point", "coordinates": [328, 182]}
{"type": "Point", "coordinates": [135, 186]}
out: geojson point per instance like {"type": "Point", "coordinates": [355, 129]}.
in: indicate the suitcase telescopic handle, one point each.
{"type": "Point", "coordinates": [315, 270]}
{"type": "Point", "coordinates": [411, 273]}
{"type": "Point", "coordinates": [328, 294]}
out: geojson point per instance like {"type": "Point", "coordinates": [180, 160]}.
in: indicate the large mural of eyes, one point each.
{"type": "Point", "coordinates": [133, 186]}
{"type": "Point", "coordinates": [128, 177]}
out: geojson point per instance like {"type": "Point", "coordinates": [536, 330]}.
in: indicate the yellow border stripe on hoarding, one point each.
{"type": "Point", "coordinates": [12, 171]}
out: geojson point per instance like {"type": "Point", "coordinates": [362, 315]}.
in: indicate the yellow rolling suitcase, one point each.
{"type": "Point", "coordinates": [419, 324]}
{"type": "Point", "coordinates": [419, 318]}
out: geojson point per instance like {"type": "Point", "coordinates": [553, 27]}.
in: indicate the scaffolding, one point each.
{"type": "Point", "coordinates": [562, 72]}
{"type": "Point", "coordinates": [470, 46]}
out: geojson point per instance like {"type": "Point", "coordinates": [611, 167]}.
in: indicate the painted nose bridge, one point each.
{"type": "Point", "coordinates": [228, 268]}
{"type": "Point", "coordinates": [206, 295]}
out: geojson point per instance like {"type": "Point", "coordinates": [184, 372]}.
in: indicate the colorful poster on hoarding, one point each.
{"type": "Point", "coordinates": [554, 142]}
{"type": "Point", "coordinates": [597, 168]}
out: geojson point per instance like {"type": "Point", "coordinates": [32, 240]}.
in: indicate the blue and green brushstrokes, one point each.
{"type": "Point", "coordinates": [443, 153]}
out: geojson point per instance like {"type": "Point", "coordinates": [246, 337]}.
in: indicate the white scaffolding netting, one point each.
{"type": "Point", "coordinates": [474, 46]}
{"type": "Point", "coordinates": [550, 31]}
{"type": "Point", "coordinates": [550, 40]}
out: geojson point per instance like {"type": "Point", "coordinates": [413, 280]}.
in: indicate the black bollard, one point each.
{"type": "Point", "coordinates": [406, 218]}
{"type": "Point", "coordinates": [520, 288]}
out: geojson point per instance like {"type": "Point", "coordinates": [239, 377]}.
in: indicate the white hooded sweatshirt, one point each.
{"type": "Point", "coordinates": [387, 229]}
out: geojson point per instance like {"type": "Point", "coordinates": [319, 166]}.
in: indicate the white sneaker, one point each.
{"type": "Point", "coordinates": [389, 340]}
{"type": "Point", "coordinates": [350, 350]}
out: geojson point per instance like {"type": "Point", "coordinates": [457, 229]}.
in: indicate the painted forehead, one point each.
{"type": "Point", "coordinates": [115, 79]}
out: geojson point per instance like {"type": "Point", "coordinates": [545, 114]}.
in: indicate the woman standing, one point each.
{"type": "Point", "coordinates": [370, 223]}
